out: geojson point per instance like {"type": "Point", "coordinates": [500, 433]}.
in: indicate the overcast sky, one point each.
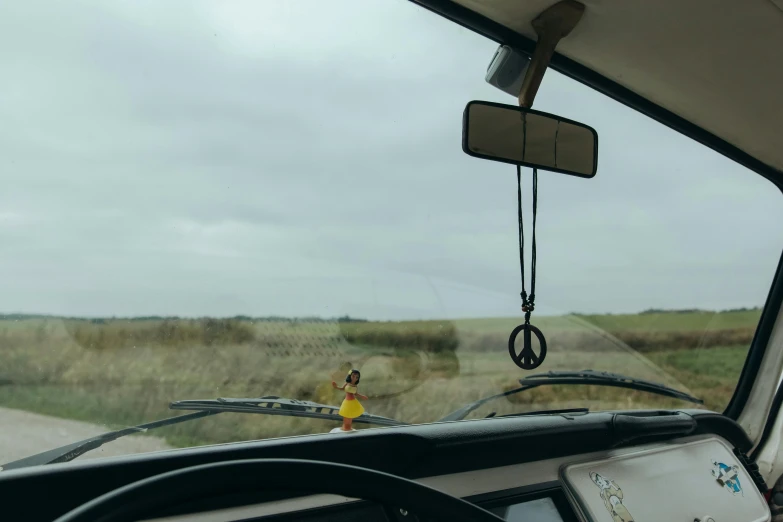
{"type": "Point", "coordinates": [302, 157]}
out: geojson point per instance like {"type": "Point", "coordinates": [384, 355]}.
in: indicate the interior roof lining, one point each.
{"type": "Point", "coordinates": [564, 65]}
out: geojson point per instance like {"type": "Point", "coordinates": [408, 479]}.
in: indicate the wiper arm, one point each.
{"type": "Point", "coordinates": [465, 410]}
{"type": "Point", "coordinates": [592, 377]}
{"type": "Point", "coordinates": [70, 451]}
{"type": "Point", "coordinates": [588, 377]}
{"type": "Point", "coordinates": [271, 405]}
{"type": "Point", "coordinates": [562, 411]}
{"type": "Point", "coordinates": [268, 405]}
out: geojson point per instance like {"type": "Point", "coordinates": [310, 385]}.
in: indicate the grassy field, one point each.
{"type": "Point", "coordinates": [122, 372]}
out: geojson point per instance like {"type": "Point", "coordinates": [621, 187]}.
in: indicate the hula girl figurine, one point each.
{"type": "Point", "coordinates": [351, 407]}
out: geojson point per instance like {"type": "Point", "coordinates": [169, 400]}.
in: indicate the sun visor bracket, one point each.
{"type": "Point", "coordinates": [552, 25]}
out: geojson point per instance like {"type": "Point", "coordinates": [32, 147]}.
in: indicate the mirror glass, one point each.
{"type": "Point", "coordinates": [530, 138]}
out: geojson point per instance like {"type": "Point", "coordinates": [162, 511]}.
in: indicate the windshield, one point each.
{"type": "Point", "coordinates": [207, 200]}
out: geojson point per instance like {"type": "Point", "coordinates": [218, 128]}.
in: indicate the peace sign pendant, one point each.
{"type": "Point", "coordinates": [527, 358]}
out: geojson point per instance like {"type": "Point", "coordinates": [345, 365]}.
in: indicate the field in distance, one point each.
{"type": "Point", "coordinates": [121, 372]}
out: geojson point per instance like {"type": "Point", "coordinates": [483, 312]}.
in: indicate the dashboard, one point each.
{"type": "Point", "coordinates": [540, 502]}
{"type": "Point", "coordinates": [687, 479]}
{"type": "Point", "coordinates": [548, 505]}
{"type": "Point", "coordinates": [609, 466]}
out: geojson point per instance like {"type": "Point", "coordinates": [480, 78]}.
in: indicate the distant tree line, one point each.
{"type": "Point", "coordinates": [314, 319]}
{"type": "Point", "coordinates": [677, 311]}
{"type": "Point", "coordinates": [698, 310]}
{"type": "Point", "coordinates": [244, 318]}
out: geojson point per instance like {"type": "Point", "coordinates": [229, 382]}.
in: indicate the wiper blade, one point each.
{"type": "Point", "coordinates": [588, 377]}
{"type": "Point", "coordinates": [592, 377]}
{"type": "Point", "coordinates": [562, 411]}
{"type": "Point", "coordinates": [272, 405]}
{"type": "Point", "coordinates": [465, 410]}
{"type": "Point", "coordinates": [70, 451]}
{"type": "Point", "coordinates": [268, 405]}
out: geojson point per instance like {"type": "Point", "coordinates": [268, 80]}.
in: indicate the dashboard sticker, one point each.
{"type": "Point", "coordinates": [612, 496]}
{"type": "Point", "coordinates": [728, 477]}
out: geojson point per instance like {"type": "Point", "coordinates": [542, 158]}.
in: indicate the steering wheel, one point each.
{"type": "Point", "coordinates": [141, 500]}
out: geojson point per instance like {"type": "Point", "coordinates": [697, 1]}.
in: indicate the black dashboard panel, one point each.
{"type": "Point", "coordinates": [542, 503]}
{"type": "Point", "coordinates": [355, 512]}
{"type": "Point", "coordinates": [546, 502]}
{"type": "Point", "coordinates": [408, 451]}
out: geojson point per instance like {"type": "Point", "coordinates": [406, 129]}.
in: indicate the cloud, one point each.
{"type": "Point", "coordinates": [304, 158]}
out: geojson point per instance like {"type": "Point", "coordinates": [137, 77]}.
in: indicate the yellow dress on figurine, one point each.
{"type": "Point", "coordinates": [351, 407]}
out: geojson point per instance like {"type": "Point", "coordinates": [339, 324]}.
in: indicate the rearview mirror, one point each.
{"type": "Point", "coordinates": [529, 138]}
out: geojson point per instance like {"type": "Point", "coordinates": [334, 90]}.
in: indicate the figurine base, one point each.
{"type": "Point", "coordinates": [340, 430]}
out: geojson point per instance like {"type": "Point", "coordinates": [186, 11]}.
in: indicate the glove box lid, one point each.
{"type": "Point", "coordinates": [684, 482]}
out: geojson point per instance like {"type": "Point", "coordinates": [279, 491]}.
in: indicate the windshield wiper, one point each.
{"type": "Point", "coordinates": [272, 405]}
{"type": "Point", "coordinates": [562, 411]}
{"type": "Point", "coordinates": [269, 405]}
{"type": "Point", "coordinates": [588, 377]}
{"type": "Point", "coordinates": [71, 451]}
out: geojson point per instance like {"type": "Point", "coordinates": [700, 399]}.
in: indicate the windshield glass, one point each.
{"type": "Point", "coordinates": [208, 200]}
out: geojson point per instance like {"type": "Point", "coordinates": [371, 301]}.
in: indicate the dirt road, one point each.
{"type": "Point", "coordinates": [23, 434]}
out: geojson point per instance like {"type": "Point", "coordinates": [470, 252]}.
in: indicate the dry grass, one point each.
{"type": "Point", "coordinates": [121, 373]}
{"type": "Point", "coordinates": [428, 336]}
{"type": "Point", "coordinates": [102, 335]}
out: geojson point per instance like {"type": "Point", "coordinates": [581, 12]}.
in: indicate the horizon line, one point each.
{"type": "Point", "coordinates": [346, 317]}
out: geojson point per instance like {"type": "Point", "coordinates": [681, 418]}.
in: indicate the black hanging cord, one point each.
{"type": "Point", "coordinates": [528, 301]}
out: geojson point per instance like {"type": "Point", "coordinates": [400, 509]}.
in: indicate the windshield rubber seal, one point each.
{"type": "Point", "coordinates": [772, 417]}
{"type": "Point", "coordinates": [757, 350]}
{"type": "Point", "coordinates": [501, 34]}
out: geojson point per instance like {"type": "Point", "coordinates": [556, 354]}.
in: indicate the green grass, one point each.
{"type": "Point", "coordinates": [710, 374]}
{"type": "Point", "coordinates": [125, 372]}
{"type": "Point", "coordinates": [674, 321]}
{"type": "Point", "coordinates": [658, 322]}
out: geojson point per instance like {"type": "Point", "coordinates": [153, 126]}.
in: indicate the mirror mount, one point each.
{"type": "Point", "coordinates": [552, 25]}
